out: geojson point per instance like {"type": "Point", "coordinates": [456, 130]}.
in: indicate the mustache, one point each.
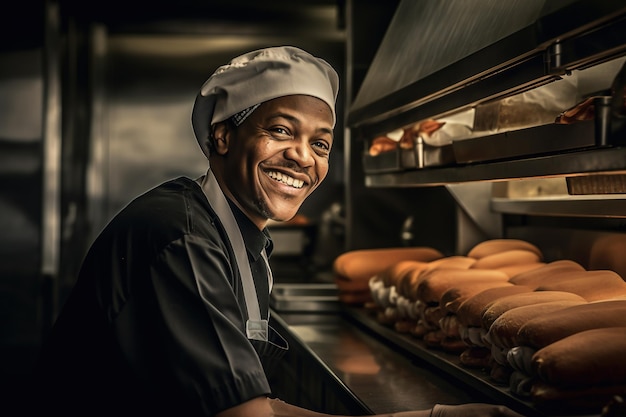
{"type": "Point", "coordinates": [292, 166]}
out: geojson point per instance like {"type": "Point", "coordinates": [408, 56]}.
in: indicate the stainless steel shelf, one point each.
{"type": "Point", "coordinates": [601, 160]}
{"type": "Point", "coordinates": [604, 206]}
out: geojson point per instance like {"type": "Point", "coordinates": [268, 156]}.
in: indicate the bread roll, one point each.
{"type": "Point", "coordinates": [607, 252]}
{"type": "Point", "coordinates": [489, 247]}
{"type": "Point", "coordinates": [450, 262]}
{"type": "Point", "coordinates": [432, 315]}
{"type": "Point", "coordinates": [438, 281]}
{"type": "Point", "coordinates": [546, 329]}
{"type": "Point", "coordinates": [452, 344]}
{"type": "Point", "coordinates": [507, 258]}
{"type": "Point", "coordinates": [470, 312]}
{"type": "Point", "coordinates": [535, 277]}
{"type": "Point", "coordinates": [503, 331]}
{"type": "Point", "coordinates": [394, 274]}
{"type": "Point", "coordinates": [515, 269]}
{"type": "Point", "coordinates": [364, 263]}
{"type": "Point", "coordinates": [591, 285]}
{"type": "Point", "coordinates": [354, 297]}
{"type": "Point", "coordinates": [589, 358]}
{"type": "Point", "coordinates": [452, 299]}
{"type": "Point", "coordinates": [350, 285]}
{"type": "Point", "coordinates": [475, 357]}
{"type": "Point", "coordinates": [407, 284]}
{"type": "Point", "coordinates": [450, 326]}
{"type": "Point", "coordinates": [559, 400]}
{"type": "Point", "coordinates": [496, 308]}
{"type": "Point", "coordinates": [381, 144]}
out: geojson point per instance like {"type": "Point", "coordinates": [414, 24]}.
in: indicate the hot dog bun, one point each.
{"type": "Point", "coordinates": [507, 259]}
{"type": "Point", "coordinates": [503, 331]}
{"type": "Point", "coordinates": [535, 277]}
{"type": "Point", "coordinates": [496, 308]}
{"type": "Point", "coordinates": [471, 310]}
{"type": "Point", "coordinates": [490, 247]}
{"type": "Point", "coordinates": [591, 285]}
{"type": "Point", "coordinates": [589, 358]}
{"type": "Point", "coordinates": [546, 329]}
{"type": "Point", "coordinates": [438, 281]}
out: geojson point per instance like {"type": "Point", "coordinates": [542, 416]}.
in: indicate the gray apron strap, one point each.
{"type": "Point", "coordinates": [256, 327]}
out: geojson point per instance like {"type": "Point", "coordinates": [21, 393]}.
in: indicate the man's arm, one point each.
{"type": "Point", "coordinates": [256, 407]}
{"type": "Point", "coordinates": [265, 407]}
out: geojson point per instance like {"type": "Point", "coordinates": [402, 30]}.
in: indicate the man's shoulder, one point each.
{"type": "Point", "coordinates": [168, 211]}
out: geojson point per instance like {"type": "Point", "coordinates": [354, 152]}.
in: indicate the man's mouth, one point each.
{"type": "Point", "coordinates": [285, 179]}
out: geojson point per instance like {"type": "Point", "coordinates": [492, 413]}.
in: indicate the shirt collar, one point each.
{"type": "Point", "coordinates": [256, 240]}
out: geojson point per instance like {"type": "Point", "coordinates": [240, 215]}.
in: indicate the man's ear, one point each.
{"type": "Point", "coordinates": [221, 138]}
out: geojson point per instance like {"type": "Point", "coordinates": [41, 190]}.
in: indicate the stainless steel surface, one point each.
{"type": "Point", "coordinates": [96, 184]}
{"type": "Point", "coordinates": [572, 163]}
{"type": "Point", "coordinates": [474, 199]}
{"type": "Point", "coordinates": [458, 54]}
{"type": "Point", "coordinates": [539, 140]}
{"type": "Point", "coordinates": [446, 363]}
{"type": "Point", "coordinates": [379, 374]}
{"type": "Point", "coordinates": [436, 34]}
{"type": "Point", "coordinates": [613, 206]}
{"type": "Point", "coordinates": [317, 297]}
{"type": "Point", "coordinates": [52, 148]}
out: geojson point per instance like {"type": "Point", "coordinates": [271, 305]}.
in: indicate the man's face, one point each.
{"type": "Point", "coordinates": [276, 158]}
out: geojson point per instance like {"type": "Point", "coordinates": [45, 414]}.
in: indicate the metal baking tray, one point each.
{"type": "Point", "coordinates": [539, 140]}
{"type": "Point", "coordinates": [423, 156]}
{"type": "Point", "coordinates": [305, 297]}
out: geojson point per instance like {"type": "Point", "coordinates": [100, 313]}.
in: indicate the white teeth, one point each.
{"type": "Point", "coordinates": [285, 179]}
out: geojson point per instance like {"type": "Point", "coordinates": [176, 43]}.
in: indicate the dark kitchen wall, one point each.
{"type": "Point", "coordinates": [21, 190]}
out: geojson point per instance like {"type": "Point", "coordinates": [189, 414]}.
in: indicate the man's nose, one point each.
{"type": "Point", "coordinates": [300, 152]}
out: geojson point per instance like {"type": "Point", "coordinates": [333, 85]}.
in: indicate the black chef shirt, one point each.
{"type": "Point", "coordinates": [155, 324]}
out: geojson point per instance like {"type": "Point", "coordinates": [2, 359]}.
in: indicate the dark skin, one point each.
{"type": "Point", "coordinates": [271, 163]}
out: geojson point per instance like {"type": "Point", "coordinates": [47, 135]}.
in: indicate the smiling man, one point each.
{"type": "Point", "coordinates": [170, 312]}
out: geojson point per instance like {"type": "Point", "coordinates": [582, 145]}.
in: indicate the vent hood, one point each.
{"type": "Point", "coordinates": [438, 56]}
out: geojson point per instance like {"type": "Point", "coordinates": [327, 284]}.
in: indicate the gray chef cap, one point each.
{"type": "Point", "coordinates": [259, 76]}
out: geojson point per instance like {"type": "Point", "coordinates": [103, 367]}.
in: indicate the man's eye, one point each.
{"type": "Point", "coordinates": [281, 131]}
{"type": "Point", "coordinates": [322, 146]}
